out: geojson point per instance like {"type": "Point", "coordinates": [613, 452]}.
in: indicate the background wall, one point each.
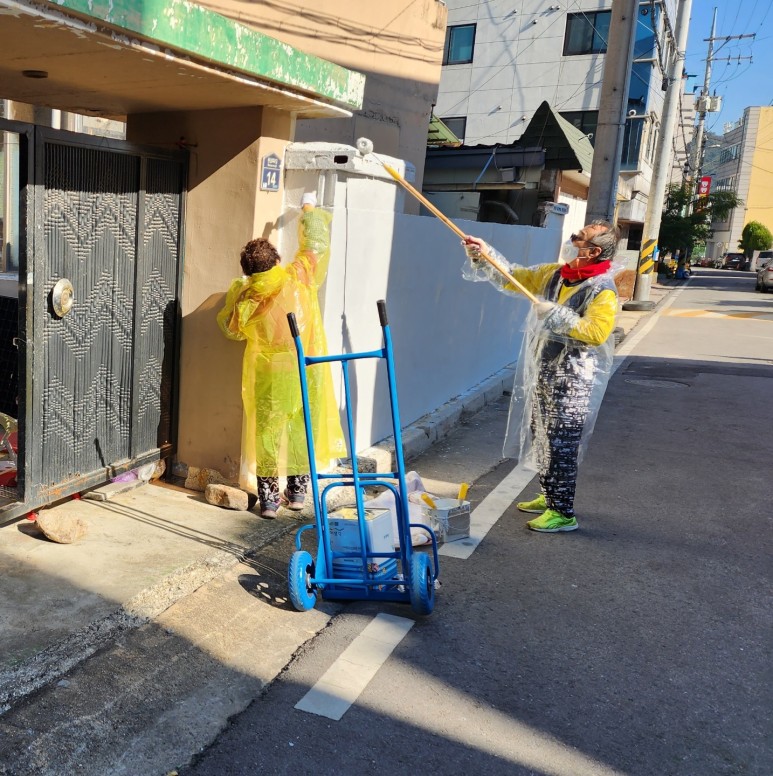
{"type": "Point", "coordinates": [448, 334]}
{"type": "Point", "coordinates": [397, 44]}
{"type": "Point", "coordinates": [224, 209]}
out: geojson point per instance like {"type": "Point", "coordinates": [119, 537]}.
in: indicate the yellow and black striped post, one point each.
{"type": "Point", "coordinates": [644, 271]}
{"type": "Point", "coordinates": [647, 257]}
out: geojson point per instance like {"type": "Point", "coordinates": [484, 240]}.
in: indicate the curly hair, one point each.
{"type": "Point", "coordinates": [258, 256]}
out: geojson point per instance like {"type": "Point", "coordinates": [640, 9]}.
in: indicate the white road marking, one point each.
{"type": "Point", "coordinates": [488, 512]}
{"type": "Point", "coordinates": [340, 686]}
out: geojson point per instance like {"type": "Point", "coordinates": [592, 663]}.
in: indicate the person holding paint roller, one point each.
{"type": "Point", "coordinates": [256, 308]}
{"type": "Point", "coordinates": [564, 364]}
{"type": "Point", "coordinates": [566, 358]}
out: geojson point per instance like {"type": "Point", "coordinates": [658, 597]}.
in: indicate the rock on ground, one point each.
{"type": "Point", "coordinates": [226, 496]}
{"type": "Point", "coordinates": [63, 529]}
{"type": "Point", "coordinates": [198, 479]}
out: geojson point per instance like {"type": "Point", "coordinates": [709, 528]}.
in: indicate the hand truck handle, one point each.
{"type": "Point", "coordinates": [293, 324]}
{"type": "Point", "coordinates": [382, 313]}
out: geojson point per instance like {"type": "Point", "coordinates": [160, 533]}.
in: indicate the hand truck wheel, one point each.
{"type": "Point", "coordinates": [303, 596]}
{"type": "Point", "coordinates": [422, 584]}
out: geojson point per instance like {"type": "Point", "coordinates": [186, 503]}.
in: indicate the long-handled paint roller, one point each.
{"type": "Point", "coordinates": [365, 147]}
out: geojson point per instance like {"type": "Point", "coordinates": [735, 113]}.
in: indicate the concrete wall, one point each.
{"type": "Point", "coordinates": [448, 334]}
{"type": "Point", "coordinates": [224, 210]}
{"type": "Point", "coordinates": [398, 45]}
{"type": "Point", "coordinates": [575, 218]}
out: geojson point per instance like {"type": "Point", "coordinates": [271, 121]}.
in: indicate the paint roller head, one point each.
{"type": "Point", "coordinates": [364, 146]}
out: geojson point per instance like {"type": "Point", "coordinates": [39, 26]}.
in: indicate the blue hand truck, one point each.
{"type": "Point", "coordinates": [399, 575]}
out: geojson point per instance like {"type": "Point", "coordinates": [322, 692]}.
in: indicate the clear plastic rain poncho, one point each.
{"type": "Point", "coordinates": [256, 308]}
{"type": "Point", "coordinates": [565, 360]}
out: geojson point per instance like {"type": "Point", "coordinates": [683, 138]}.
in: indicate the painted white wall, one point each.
{"type": "Point", "coordinates": [574, 220]}
{"type": "Point", "coordinates": [448, 334]}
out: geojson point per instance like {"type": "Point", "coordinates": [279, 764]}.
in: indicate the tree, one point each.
{"type": "Point", "coordinates": [686, 221]}
{"type": "Point", "coordinates": [755, 237]}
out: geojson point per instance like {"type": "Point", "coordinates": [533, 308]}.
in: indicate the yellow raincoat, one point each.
{"type": "Point", "coordinates": [256, 308]}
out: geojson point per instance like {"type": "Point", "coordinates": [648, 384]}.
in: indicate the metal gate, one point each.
{"type": "Point", "coordinates": [101, 375]}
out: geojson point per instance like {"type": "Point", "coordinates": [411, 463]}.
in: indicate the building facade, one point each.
{"type": "Point", "coordinates": [502, 60]}
{"type": "Point", "coordinates": [145, 232]}
{"type": "Point", "coordinates": [745, 166]}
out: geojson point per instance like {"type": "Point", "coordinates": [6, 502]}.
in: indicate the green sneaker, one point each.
{"type": "Point", "coordinates": [551, 521]}
{"type": "Point", "coordinates": [538, 506]}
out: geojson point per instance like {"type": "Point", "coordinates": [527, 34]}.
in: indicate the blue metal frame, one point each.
{"type": "Point", "coordinates": [324, 579]}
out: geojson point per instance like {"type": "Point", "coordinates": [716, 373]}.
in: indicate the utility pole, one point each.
{"type": "Point", "coordinates": [602, 194]}
{"type": "Point", "coordinates": [707, 104]}
{"type": "Point", "coordinates": [648, 253]}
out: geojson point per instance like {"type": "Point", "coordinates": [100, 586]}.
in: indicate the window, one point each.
{"type": "Point", "coordinates": [730, 154]}
{"type": "Point", "coordinates": [458, 125]}
{"type": "Point", "coordinates": [652, 142]}
{"type": "Point", "coordinates": [460, 41]}
{"type": "Point", "coordinates": [585, 120]}
{"type": "Point", "coordinates": [644, 45]}
{"type": "Point", "coordinates": [725, 184]}
{"type": "Point", "coordinates": [587, 33]}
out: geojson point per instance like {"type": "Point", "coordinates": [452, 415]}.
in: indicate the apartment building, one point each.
{"type": "Point", "coordinates": [745, 167]}
{"type": "Point", "coordinates": [502, 60]}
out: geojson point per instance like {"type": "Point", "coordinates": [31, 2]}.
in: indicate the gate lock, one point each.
{"type": "Point", "coordinates": [62, 297]}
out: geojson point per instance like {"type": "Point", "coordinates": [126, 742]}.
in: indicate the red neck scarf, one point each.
{"type": "Point", "coordinates": [574, 275]}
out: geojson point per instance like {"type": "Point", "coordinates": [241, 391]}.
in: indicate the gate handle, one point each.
{"type": "Point", "coordinates": [62, 297]}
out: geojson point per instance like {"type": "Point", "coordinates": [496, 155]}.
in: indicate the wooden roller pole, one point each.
{"type": "Point", "coordinates": [454, 228]}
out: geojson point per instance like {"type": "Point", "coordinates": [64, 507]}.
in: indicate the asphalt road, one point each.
{"type": "Point", "coordinates": [638, 645]}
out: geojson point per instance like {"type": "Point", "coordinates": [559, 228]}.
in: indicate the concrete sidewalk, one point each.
{"type": "Point", "coordinates": [147, 548]}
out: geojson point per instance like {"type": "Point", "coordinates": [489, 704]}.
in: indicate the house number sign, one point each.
{"type": "Point", "coordinates": [271, 169]}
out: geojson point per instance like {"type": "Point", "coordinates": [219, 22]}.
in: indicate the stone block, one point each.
{"type": "Point", "coordinates": [227, 497]}
{"type": "Point", "coordinates": [60, 528]}
{"type": "Point", "coordinates": [198, 479]}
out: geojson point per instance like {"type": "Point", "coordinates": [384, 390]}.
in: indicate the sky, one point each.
{"type": "Point", "coordinates": [740, 85]}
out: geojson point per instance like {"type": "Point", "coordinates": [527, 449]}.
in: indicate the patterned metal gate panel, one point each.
{"type": "Point", "coordinates": [156, 307]}
{"type": "Point", "coordinates": [109, 222]}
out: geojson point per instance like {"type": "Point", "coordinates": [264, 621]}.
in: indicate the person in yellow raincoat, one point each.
{"type": "Point", "coordinates": [564, 364]}
{"type": "Point", "coordinates": [256, 308]}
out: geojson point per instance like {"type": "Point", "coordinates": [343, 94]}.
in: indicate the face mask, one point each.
{"type": "Point", "coordinates": [569, 252]}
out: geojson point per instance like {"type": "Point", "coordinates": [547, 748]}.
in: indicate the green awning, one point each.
{"type": "Point", "coordinates": [566, 147]}
{"type": "Point", "coordinates": [440, 135]}
{"type": "Point", "coordinates": [203, 34]}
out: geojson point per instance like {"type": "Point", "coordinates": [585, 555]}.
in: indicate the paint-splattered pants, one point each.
{"type": "Point", "coordinates": [559, 412]}
{"type": "Point", "coordinates": [268, 489]}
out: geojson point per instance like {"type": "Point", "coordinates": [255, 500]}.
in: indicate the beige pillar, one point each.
{"type": "Point", "coordinates": [224, 209]}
